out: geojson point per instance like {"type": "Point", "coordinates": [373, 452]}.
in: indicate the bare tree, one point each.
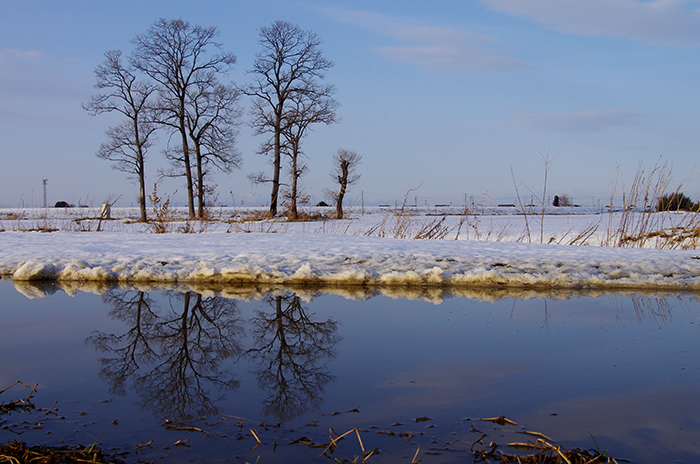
{"type": "Point", "coordinates": [212, 123]}
{"type": "Point", "coordinates": [288, 68]}
{"type": "Point", "coordinates": [307, 108]}
{"type": "Point", "coordinates": [344, 164]}
{"type": "Point", "coordinates": [174, 54]}
{"type": "Point", "coordinates": [129, 141]}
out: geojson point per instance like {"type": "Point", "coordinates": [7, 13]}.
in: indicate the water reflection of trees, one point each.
{"type": "Point", "coordinates": [181, 350]}
{"type": "Point", "coordinates": [173, 353]}
{"type": "Point", "coordinates": [291, 349]}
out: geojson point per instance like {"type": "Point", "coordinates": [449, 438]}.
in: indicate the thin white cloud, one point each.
{"type": "Point", "coordinates": [577, 121]}
{"type": "Point", "coordinates": [11, 55]}
{"type": "Point", "coordinates": [14, 62]}
{"type": "Point", "coordinates": [656, 21]}
{"type": "Point", "coordinates": [30, 73]}
{"type": "Point", "coordinates": [435, 47]}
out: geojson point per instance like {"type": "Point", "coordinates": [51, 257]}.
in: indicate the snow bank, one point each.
{"type": "Point", "coordinates": [299, 259]}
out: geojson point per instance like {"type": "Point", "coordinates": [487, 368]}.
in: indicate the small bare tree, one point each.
{"type": "Point", "coordinates": [306, 109]}
{"type": "Point", "coordinates": [128, 141]}
{"type": "Point", "coordinates": [289, 67]}
{"type": "Point", "coordinates": [344, 164]}
{"type": "Point", "coordinates": [212, 124]}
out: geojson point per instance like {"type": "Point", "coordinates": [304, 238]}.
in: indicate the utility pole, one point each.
{"type": "Point", "coordinates": [45, 181]}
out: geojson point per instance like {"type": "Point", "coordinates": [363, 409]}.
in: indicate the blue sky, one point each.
{"type": "Point", "coordinates": [443, 96]}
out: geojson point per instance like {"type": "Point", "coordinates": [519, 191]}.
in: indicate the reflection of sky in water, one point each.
{"type": "Point", "coordinates": [624, 368]}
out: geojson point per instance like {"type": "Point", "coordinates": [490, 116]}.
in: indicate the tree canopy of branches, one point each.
{"type": "Point", "coordinates": [287, 77]}
{"type": "Point", "coordinates": [129, 141]}
{"type": "Point", "coordinates": [212, 125]}
{"type": "Point", "coordinates": [305, 109]}
{"type": "Point", "coordinates": [344, 172]}
{"type": "Point", "coordinates": [174, 54]}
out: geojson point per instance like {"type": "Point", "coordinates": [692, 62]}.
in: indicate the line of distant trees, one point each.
{"type": "Point", "coordinates": [174, 82]}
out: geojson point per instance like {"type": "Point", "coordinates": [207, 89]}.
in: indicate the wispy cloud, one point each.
{"type": "Point", "coordinates": [13, 61]}
{"type": "Point", "coordinates": [435, 47]}
{"type": "Point", "coordinates": [577, 121]}
{"type": "Point", "coordinates": [31, 73]}
{"type": "Point", "coordinates": [657, 21]}
{"type": "Point", "coordinates": [12, 55]}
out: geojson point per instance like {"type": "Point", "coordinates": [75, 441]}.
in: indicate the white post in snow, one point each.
{"type": "Point", "coordinates": [105, 211]}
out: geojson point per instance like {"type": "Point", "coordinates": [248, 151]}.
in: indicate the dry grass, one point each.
{"type": "Point", "coordinates": [17, 452]}
{"type": "Point", "coordinates": [162, 217]}
{"type": "Point", "coordinates": [636, 224]}
{"type": "Point", "coordinates": [542, 450]}
{"type": "Point", "coordinates": [641, 226]}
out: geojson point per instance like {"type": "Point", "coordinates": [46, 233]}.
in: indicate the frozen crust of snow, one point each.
{"type": "Point", "coordinates": [304, 258]}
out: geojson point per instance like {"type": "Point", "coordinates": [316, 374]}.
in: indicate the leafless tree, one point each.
{"type": "Point", "coordinates": [306, 109]}
{"type": "Point", "coordinates": [212, 123]}
{"type": "Point", "coordinates": [129, 141]}
{"type": "Point", "coordinates": [344, 172]}
{"type": "Point", "coordinates": [288, 69]}
{"type": "Point", "coordinates": [174, 54]}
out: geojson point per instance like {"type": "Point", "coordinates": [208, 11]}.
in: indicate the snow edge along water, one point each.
{"type": "Point", "coordinates": [299, 258]}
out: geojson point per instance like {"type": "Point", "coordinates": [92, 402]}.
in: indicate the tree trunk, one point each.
{"type": "Point", "coordinates": [343, 181]}
{"type": "Point", "coordinates": [295, 176]}
{"type": "Point", "coordinates": [142, 195]}
{"type": "Point", "coordinates": [276, 166]}
{"type": "Point", "coordinates": [141, 173]}
{"type": "Point", "coordinates": [188, 170]}
{"type": "Point", "coordinates": [200, 181]}
{"type": "Point", "coordinates": [339, 203]}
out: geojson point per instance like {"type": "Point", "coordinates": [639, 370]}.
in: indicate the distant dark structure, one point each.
{"type": "Point", "coordinates": [62, 204]}
{"type": "Point", "coordinates": [556, 200]}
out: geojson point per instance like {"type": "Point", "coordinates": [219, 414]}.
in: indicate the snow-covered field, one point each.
{"type": "Point", "coordinates": [494, 247]}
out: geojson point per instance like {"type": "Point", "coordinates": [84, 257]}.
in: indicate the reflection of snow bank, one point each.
{"type": "Point", "coordinates": [336, 260]}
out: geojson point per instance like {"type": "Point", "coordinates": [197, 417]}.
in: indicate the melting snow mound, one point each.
{"type": "Point", "coordinates": [298, 258]}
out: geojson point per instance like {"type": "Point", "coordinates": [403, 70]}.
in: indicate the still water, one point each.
{"type": "Point", "coordinates": [200, 375]}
